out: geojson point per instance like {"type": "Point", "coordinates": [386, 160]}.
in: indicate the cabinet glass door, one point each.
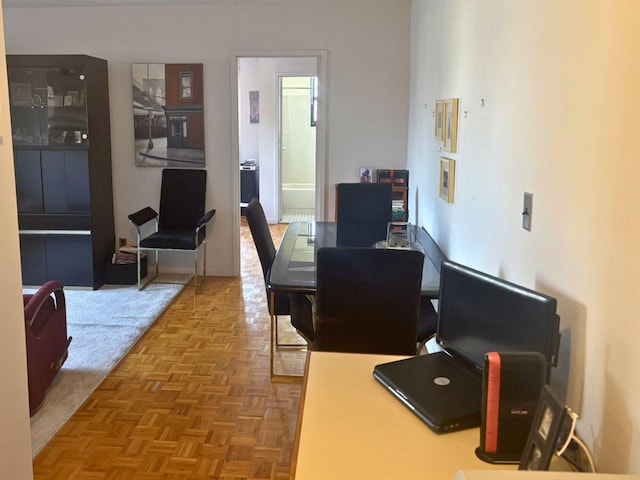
{"type": "Point", "coordinates": [66, 102]}
{"type": "Point", "coordinates": [25, 98]}
{"type": "Point", "coordinates": [48, 106]}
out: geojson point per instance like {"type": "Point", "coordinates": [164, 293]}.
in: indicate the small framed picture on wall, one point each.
{"type": "Point", "coordinates": [447, 178]}
{"type": "Point", "coordinates": [437, 121]}
{"type": "Point", "coordinates": [254, 106]}
{"type": "Point", "coordinates": [450, 126]}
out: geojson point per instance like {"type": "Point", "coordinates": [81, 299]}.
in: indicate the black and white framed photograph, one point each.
{"type": "Point", "coordinates": [168, 114]}
{"type": "Point", "coordinates": [254, 106]}
{"type": "Point", "coordinates": [450, 125]}
{"type": "Point", "coordinates": [544, 435]}
{"type": "Point", "coordinates": [447, 178]}
{"type": "Point", "coordinates": [438, 117]}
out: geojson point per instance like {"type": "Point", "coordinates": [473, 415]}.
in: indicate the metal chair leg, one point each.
{"type": "Point", "coordinates": [271, 334]}
{"type": "Point", "coordinates": [293, 346]}
{"type": "Point", "coordinates": [273, 340]}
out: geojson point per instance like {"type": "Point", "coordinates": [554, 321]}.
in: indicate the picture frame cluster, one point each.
{"type": "Point", "coordinates": [446, 124]}
{"type": "Point", "coordinates": [447, 178]}
{"type": "Point", "coordinates": [445, 129]}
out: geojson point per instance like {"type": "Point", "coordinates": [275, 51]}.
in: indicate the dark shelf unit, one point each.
{"type": "Point", "coordinates": [399, 180]}
{"type": "Point", "coordinates": [62, 154]}
{"type": "Point", "coordinates": [400, 208]}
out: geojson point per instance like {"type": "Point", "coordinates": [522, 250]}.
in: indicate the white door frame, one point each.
{"type": "Point", "coordinates": [321, 128]}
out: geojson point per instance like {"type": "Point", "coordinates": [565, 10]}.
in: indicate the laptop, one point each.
{"type": "Point", "coordinates": [442, 391]}
{"type": "Point", "coordinates": [477, 314]}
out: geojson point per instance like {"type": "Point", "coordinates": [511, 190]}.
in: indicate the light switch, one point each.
{"type": "Point", "coordinates": [527, 211]}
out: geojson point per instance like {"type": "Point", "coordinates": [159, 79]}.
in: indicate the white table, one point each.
{"type": "Point", "coordinates": [350, 427]}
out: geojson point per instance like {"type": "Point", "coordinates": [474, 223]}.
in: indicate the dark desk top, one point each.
{"type": "Point", "coordinates": [294, 269]}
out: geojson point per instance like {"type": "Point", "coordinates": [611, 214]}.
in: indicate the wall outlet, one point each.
{"type": "Point", "coordinates": [527, 211]}
{"type": "Point", "coordinates": [122, 242]}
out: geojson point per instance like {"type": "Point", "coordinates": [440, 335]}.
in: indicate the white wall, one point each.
{"type": "Point", "coordinates": [15, 436]}
{"type": "Point", "coordinates": [367, 82]}
{"type": "Point", "coordinates": [561, 84]}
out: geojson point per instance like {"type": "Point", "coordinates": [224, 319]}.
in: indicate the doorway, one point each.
{"type": "Point", "coordinates": [261, 110]}
{"type": "Point", "coordinates": [177, 137]}
{"type": "Point", "coordinates": [297, 126]}
{"type": "Point", "coordinates": [256, 136]}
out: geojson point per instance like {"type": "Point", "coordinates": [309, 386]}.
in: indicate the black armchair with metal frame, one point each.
{"type": "Point", "coordinates": [181, 222]}
{"type": "Point", "coordinates": [367, 300]}
{"type": "Point", "coordinates": [296, 306]}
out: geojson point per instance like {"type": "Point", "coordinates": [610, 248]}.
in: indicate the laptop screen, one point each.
{"type": "Point", "coordinates": [479, 313]}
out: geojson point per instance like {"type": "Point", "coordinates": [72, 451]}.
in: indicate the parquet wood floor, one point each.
{"type": "Point", "coordinates": [192, 399]}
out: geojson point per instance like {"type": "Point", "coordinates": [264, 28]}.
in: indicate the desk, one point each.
{"type": "Point", "coordinates": [293, 269]}
{"type": "Point", "coordinates": [350, 427]}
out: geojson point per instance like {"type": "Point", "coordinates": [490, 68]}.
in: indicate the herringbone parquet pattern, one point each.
{"type": "Point", "coordinates": [193, 398]}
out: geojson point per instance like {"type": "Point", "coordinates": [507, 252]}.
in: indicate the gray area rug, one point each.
{"type": "Point", "coordinates": [104, 325]}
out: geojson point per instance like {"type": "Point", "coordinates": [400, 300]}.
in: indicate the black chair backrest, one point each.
{"type": "Point", "coordinates": [363, 212]}
{"type": "Point", "coordinates": [368, 300]}
{"type": "Point", "coordinates": [261, 235]}
{"type": "Point", "coordinates": [182, 199]}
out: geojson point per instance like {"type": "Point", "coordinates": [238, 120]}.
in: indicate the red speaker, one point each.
{"type": "Point", "coordinates": [511, 385]}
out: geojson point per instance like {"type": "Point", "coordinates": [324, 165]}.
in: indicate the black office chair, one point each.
{"type": "Point", "coordinates": [297, 306]}
{"type": "Point", "coordinates": [362, 213]}
{"type": "Point", "coordinates": [367, 300]}
{"type": "Point", "coordinates": [181, 221]}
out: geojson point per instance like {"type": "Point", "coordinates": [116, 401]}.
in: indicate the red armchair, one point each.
{"type": "Point", "coordinates": [47, 342]}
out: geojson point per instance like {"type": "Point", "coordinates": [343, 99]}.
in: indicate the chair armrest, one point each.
{"type": "Point", "coordinates": [35, 303]}
{"type": "Point", "coordinates": [143, 216]}
{"type": "Point", "coordinates": [205, 218]}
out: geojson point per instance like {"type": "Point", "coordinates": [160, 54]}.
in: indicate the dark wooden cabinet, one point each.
{"type": "Point", "coordinates": [62, 153]}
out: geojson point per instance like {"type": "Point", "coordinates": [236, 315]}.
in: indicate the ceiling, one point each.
{"type": "Point", "coordinates": [103, 3]}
